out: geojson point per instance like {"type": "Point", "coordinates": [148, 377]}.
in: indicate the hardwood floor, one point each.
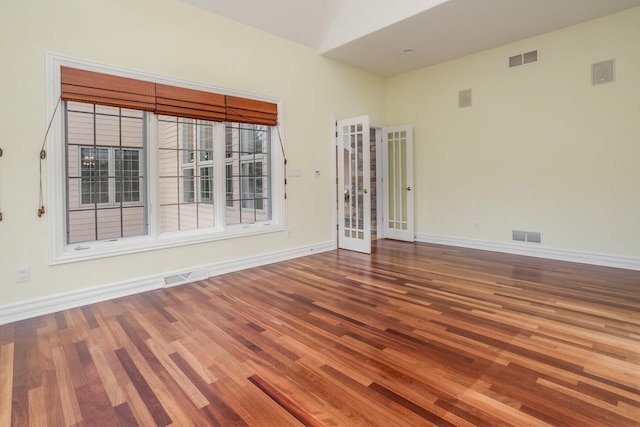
{"type": "Point", "coordinates": [414, 334]}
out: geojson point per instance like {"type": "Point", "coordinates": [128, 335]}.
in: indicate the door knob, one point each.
{"type": "Point", "coordinates": [408, 188]}
{"type": "Point", "coordinates": [365, 191]}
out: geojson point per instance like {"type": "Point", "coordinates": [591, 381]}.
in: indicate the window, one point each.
{"type": "Point", "coordinates": [143, 165]}
{"type": "Point", "coordinates": [104, 172]}
{"type": "Point", "coordinates": [185, 150]}
{"type": "Point", "coordinates": [247, 174]}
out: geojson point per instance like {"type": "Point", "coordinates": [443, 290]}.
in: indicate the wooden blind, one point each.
{"type": "Point", "coordinates": [98, 88]}
{"type": "Point", "coordinates": [245, 110]}
{"type": "Point", "coordinates": [194, 104]}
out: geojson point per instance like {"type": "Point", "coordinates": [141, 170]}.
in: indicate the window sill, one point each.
{"type": "Point", "coordinates": [115, 247]}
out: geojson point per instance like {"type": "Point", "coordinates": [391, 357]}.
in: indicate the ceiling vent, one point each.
{"type": "Point", "coordinates": [602, 72]}
{"type": "Point", "coordinates": [524, 59]}
{"type": "Point", "coordinates": [464, 98]}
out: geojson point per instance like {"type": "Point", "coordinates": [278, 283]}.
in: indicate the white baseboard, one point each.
{"type": "Point", "coordinates": [536, 251]}
{"type": "Point", "coordinates": [54, 303]}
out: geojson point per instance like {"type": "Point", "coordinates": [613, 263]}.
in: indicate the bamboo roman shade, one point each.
{"type": "Point", "coordinates": [98, 88]}
{"type": "Point", "coordinates": [245, 110]}
{"type": "Point", "coordinates": [194, 104]}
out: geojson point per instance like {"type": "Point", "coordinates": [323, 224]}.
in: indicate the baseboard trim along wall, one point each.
{"type": "Point", "coordinates": [54, 303]}
{"type": "Point", "coordinates": [538, 252]}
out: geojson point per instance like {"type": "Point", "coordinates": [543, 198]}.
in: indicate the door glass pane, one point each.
{"type": "Point", "coordinates": [398, 185]}
{"type": "Point", "coordinates": [403, 190]}
{"type": "Point", "coordinates": [392, 181]}
{"type": "Point", "coordinates": [354, 185]}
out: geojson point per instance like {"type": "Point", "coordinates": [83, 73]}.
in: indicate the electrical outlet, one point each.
{"type": "Point", "coordinates": [22, 274]}
{"type": "Point", "coordinates": [476, 225]}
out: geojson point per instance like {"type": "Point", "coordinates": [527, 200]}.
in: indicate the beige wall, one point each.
{"type": "Point", "coordinates": [172, 39]}
{"type": "Point", "coordinates": [540, 149]}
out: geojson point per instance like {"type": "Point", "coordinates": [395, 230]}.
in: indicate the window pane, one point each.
{"type": "Point", "coordinates": [228, 142]}
{"type": "Point", "coordinates": [186, 172]}
{"type": "Point", "coordinates": [127, 170]}
{"type": "Point", "coordinates": [229, 184]}
{"type": "Point", "coordinates": [247, 174]}
{"type": "Point", "coordinates": [188, 186]}
{"type": "Point", "coordinates": [205, 142]}
{"type": "Point", "coordinates": [94, 169]}
{"type": "Point", "coordinates": [206, 184]}
{"type": "Point", "coordinates": [101, 175]}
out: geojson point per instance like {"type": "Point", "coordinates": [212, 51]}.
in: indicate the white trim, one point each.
{"type": "Point", "coordinates": [628, 263]}
{"type": "Point", "coordinates": [54, 303]}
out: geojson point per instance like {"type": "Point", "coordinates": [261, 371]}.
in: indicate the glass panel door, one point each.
{"type": "Point", "coordinates": [354, 198]}
{"type": "Point", "coordinates": [398, 170]}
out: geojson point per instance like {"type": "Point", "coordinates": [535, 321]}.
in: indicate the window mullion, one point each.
{"type": "Point", "coordinates": [219, 166]}
{"type": "Point", "coordinates": [151, 169]}
{"type": "Point", "coordinates": [196, 170]}
{"type": "Point", "coordinates": [93, 179]}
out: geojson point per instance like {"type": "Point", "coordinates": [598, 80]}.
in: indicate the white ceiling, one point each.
{"type": "Point", "coordinates": [371, 34]}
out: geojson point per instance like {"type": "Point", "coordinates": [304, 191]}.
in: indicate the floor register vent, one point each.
{"type": "Point", "coordinates": [185, 277]}
{"type": "Point", "coordinates": [527, 236]}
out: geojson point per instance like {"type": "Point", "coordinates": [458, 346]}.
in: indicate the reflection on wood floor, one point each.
{"type": "Point", "coordinates": [415, 334]}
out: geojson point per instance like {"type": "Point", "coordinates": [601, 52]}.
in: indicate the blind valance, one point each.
{"type": "Point", "coordinates": [194, 104]}
{"type": "Point", "coordinates": [245, 110]}
{"type": "Point", "coordinates": [99, 88]}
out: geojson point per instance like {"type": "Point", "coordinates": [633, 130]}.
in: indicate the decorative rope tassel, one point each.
{"type": "Point", "coordinates": [43, 156]}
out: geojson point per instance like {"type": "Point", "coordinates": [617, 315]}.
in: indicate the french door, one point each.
{"type": "Point", "coordinates": [354, 199]}
{"type": "Point", "coordinates": [397, 166]}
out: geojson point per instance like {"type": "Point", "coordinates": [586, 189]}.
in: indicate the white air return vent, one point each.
{"type": "Point", "coordinates": [519, 236]}
{"type": "Point", "coordinates": [523, 59]}
{"type": "Point", "coordinates": [185, 277]}
{"type": "Point", "coordinates": [603, 72]}
{"type": "Point", "coordinates": [464, 98]}
{"type": "Point", "coordinates": [526, 236]}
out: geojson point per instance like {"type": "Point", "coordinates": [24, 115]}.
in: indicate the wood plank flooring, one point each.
{"type": "Point", "coordinates": [415, 334]}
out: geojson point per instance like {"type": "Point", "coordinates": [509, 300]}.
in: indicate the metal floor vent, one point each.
{"type": "Point", "coordinates": [185, 277]}
{"type": "Point", "coordinates": [526, 236]}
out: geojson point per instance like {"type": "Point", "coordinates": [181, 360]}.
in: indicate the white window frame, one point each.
{"type": "Point", "coordinates": [60, 252]}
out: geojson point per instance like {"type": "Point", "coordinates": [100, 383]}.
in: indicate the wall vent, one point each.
{"type": "Point", "coordinates": [603, 72]}
{"type": "Point", "coordinates": [526, 236]}
{"type": "Point", "coordinates": [523, 59]}
{"type": "Point", "coordinates": [464, 98]}
{"type": "Point", "coordinates": [185, 277]}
